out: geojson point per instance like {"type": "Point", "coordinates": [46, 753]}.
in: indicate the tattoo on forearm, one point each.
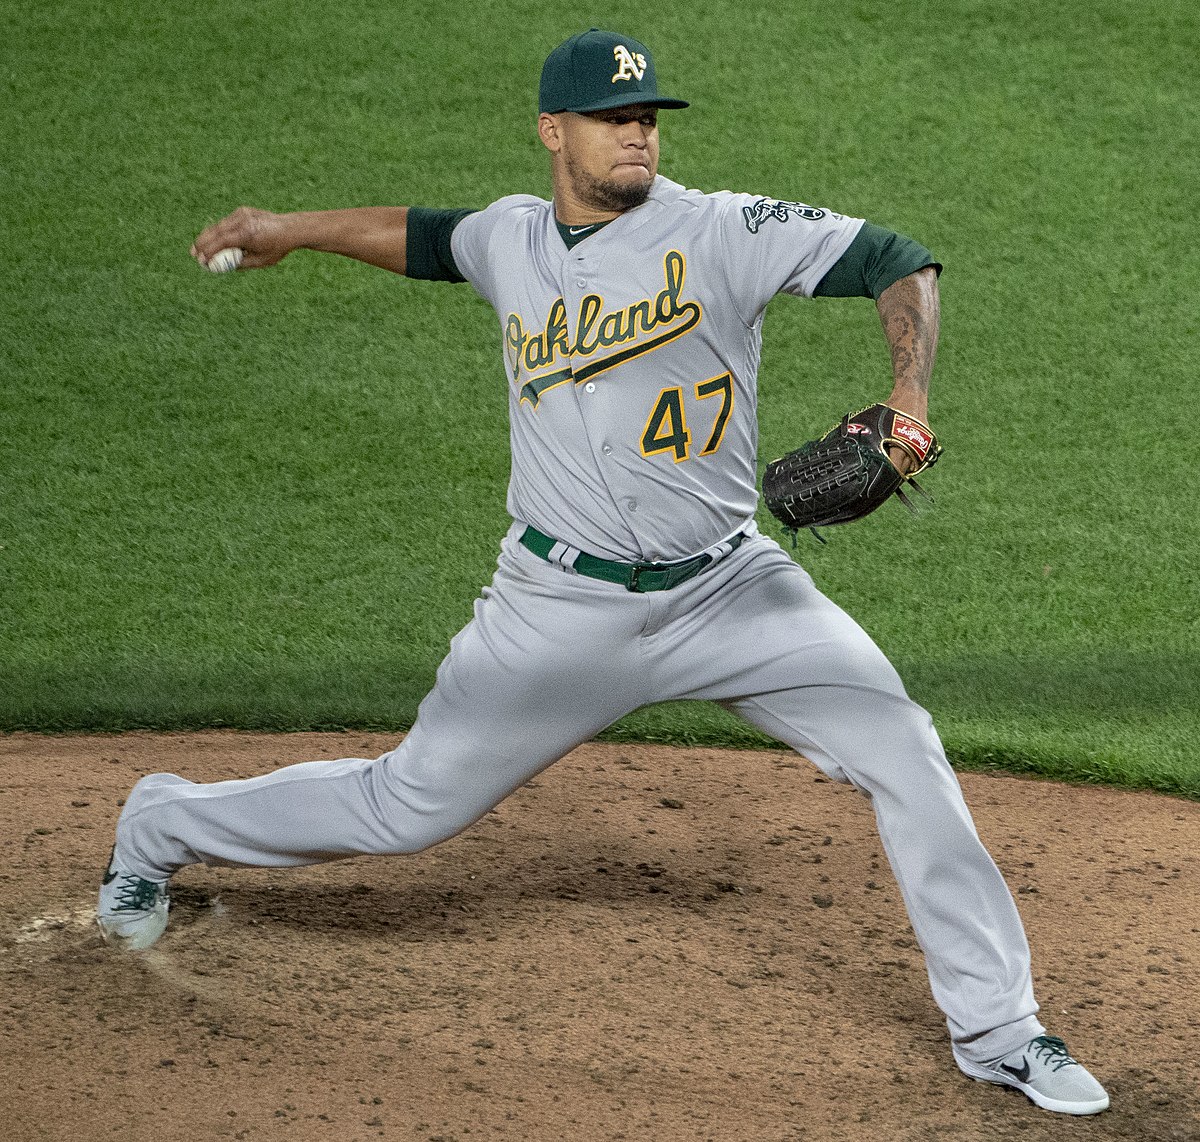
{"type": "Point", "coordinates": [910, 314]}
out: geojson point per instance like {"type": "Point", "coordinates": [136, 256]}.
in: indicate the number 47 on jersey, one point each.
{"type": "Point", "coordinates": [667, 427]}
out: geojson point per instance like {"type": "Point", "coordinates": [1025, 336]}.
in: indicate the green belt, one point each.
{"type": "Point", "coordinates": [634, 576]}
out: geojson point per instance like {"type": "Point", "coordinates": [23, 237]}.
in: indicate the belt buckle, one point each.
{"type": "Point", "coordinates": [690, 567]}
{"type": "Point", "coordinates": [683, 569]}
{"type": "Point", "coordinates": [637, 570]}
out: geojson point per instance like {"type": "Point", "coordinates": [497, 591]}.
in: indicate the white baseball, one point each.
{"type": "Point", "coordinates": [225, 260]}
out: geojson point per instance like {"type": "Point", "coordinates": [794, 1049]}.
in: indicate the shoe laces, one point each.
{"type": "Point", "coordinates": [1052, 1051]}
{"type": "Point", "coordinates": [135, 894]}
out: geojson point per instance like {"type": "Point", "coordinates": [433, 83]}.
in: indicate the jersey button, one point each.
{"type": "Point", "coordinates": [581, 282]}
{"type": "Point", "coordinates": [590, 387]}
{"type": "Point", "coordinates": [631, 505]}
{"type": "Point", "coordinates": [607, 450]}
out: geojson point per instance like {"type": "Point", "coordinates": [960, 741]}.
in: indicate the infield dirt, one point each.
{"type": "Point", "coordinates": [644, 943]}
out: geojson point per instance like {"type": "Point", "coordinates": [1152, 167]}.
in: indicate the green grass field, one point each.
{"type": "Point", "coordinates": [269, 499]}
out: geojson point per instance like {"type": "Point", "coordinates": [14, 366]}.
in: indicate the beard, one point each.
{"type": "Point", "coordinates": [607, 193]}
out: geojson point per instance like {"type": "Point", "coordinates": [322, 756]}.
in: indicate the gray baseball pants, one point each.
{"type": "Point", "coordinates": [550, 659]}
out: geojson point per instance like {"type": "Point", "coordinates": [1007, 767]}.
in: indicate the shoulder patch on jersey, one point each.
{"type": "Point", "coordinates": [767, 208]}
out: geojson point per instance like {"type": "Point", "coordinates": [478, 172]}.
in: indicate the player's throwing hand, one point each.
{"type": "Point", "coordinates": [260, 235]}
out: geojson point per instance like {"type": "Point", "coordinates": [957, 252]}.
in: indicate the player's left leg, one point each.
{"type": "Point", "coordinates": [781, 655]}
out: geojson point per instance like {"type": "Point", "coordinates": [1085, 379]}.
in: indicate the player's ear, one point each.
{"type": "Point", "coordinates": [550, 132]}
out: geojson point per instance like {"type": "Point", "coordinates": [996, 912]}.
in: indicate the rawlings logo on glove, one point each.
{"type": "Point", "coordinates": [914, 433]}
{"type": "Point", "coordinates": [848, 473]}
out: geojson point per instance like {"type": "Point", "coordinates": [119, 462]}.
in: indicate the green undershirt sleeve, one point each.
{"type": "Point", "coordinates": [427, 250]}
{"type": "Point", "coordinates": [873, 261]}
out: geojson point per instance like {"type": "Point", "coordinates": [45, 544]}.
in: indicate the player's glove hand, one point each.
{"type": "Point", "coordinates": [848, 473]}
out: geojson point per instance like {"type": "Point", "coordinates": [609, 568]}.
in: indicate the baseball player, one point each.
{"type": "Point", "coordinates": [630, 314]}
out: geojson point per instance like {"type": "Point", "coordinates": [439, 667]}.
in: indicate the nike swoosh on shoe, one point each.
{"type": "Point", "coordinates": [1021, 1073]}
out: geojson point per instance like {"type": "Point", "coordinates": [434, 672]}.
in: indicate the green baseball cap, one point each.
{"type": "Point", "coordinates": [596, 70]}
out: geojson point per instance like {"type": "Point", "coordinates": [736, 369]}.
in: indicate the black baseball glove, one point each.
{"type": "Point", "coordinates": [848, 473]}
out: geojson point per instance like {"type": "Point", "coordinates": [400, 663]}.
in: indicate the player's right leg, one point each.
{"type": "Point", "coordinates": [548, 661]}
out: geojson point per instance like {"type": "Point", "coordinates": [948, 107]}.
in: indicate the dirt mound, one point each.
{"type": "Point", "coordinates": [645, 943]}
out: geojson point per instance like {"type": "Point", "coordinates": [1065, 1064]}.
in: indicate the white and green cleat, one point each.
{"type": "Point", "coordinates": [131, 911]}
{"type": "Point", "coordinates": [1045, 1073]}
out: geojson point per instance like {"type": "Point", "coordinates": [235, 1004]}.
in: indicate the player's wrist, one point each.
{"type": "Point", "coordinates": [306, 230]}
{"type": "Point", "coordinates": [911, 402]}
{"type": "Point", "coordinates": [372, 234]}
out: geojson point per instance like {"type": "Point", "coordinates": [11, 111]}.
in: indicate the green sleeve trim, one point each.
{"type": "Point", "coordinates": [427, 249]}
{"type": "Point", "coordinates": [873, 261]}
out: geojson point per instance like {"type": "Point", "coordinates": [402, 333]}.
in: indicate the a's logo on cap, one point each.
{"type": "Point", "coordinates": [628, 66]}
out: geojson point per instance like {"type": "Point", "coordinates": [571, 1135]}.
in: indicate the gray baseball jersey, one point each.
{"type": "Point", "coordinates": [632, 358]}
